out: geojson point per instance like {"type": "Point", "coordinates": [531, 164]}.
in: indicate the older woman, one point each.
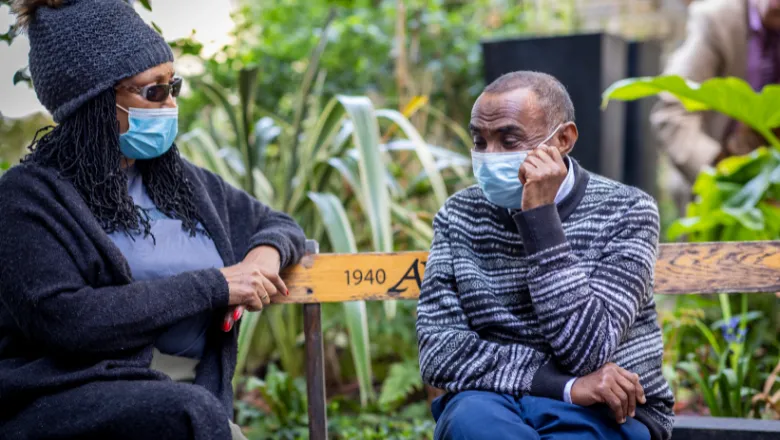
{"type": "Point", "coordinates": [119, 260]}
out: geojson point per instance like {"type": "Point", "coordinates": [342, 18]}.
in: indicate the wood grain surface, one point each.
{"type": "Point", "coordinates": [695, 268]}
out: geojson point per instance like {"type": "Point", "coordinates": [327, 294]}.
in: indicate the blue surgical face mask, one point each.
{"type": "Point", "coordinates": [498, 175]}
{"type": "Point", "coordinates": [151, 133]}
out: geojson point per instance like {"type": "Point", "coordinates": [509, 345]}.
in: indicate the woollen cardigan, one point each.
{"type": "Point", "coordinates": [72, 317]}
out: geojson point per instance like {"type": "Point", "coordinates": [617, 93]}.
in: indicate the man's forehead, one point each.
{"type": "Point", "coordinates": [519, 105]}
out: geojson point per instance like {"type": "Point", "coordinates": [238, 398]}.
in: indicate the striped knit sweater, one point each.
{"type": "Point", "coordinates": [520, 303]}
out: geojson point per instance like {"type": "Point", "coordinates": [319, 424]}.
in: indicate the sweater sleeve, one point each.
{"type": "Point", "coordinates": [454, 357]}
{"type": "Point", "coordinates": [252, 224]}
{"type": "Point", "coordinates": [584, 307]}
{"type": "Point", "coordinates": [49, 284]}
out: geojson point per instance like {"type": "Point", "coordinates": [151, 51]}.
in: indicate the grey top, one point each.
{"type": "Point", "coordinates": [172, 251]}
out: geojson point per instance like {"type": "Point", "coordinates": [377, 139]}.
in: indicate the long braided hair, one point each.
{"type": "Point", "coordinates": [84, 148]}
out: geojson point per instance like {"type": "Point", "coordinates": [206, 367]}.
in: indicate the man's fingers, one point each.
{"type": "Point", "coordinates": [634, 378]}
{"type": "Point", "coordinates": [544, 154]}
{"type": "Point", "coordinates": [616, 405]}
{"type": "Point", "coordinates": [630, 389]}
{"type": "Point", "coordinates": [533, 161]}
{"type": "Point", "coordinates": [556, 156]}
{"type": "Point", "coordinates": [622, 403]}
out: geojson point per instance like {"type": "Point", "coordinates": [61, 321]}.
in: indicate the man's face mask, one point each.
{"type": "Point", "coordinates": [498, 175]}
{"type": "Point", "coordinates": [151, 134]}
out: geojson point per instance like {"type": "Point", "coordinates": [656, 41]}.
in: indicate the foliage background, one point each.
{"type": "Point", "coordinates": [321, 107]}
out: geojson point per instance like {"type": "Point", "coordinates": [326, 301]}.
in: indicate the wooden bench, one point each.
{"type": "Point", "coordinates": [696, 268]}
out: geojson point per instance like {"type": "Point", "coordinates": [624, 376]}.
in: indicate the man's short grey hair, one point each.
{"type": "Point", "coordinates": [552, 95]}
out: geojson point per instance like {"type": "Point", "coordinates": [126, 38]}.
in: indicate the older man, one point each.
{"type": "Point", "coordinates": [739, 38]}
{"type": "Point", "coordinates": [536, 312]}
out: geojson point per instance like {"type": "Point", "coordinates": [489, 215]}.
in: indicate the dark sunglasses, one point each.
{"type": "Point", "coordinates": [157, 92]}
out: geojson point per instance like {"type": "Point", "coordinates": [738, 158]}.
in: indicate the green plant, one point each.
{"type": "Point", "coordinates": [330, 168]}
{"type": "Point", "coordinates": [726, 373]}
{"type": "Point", "coordinates": [402, 380]}
{"type": "Point", "coordinates": [275, 408]}
{"type": "Point", "coordinates": [736, 200]}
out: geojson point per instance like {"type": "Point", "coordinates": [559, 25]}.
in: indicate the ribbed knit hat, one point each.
{"type": "Point", "coordinates": [79, 48]}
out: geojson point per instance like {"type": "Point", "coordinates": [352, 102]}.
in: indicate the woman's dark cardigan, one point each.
{"type": "Point", "coordinates": [70, 312]}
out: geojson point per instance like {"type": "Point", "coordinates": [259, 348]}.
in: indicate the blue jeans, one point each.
{"type": "Point", "coordinates": [475, 415]}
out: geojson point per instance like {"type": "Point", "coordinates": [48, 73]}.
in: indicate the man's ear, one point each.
{"type": "Point", "coordinates": [567, 137]}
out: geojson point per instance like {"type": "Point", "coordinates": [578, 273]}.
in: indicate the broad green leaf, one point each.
{"type": "Point", "coordinates": [424, 154]}
{"type": "Point", "coordinates": [453, 126]}
{"type": "Point", "coordinates": [403, 379]}
{"type": "Point", "coordinates": [751, 218]}
{"type": "Point", "coordinates": [373, 176]}
{"type": "Point", "coordinates": [709, 335]}
{"type": "Point", "coordinates": [342, 240]}
{"type": "Point", "coordinates": [266, 130]}
{"type": "Point", "coordinates": [264, 191]}
{"type": "Point", "coordinates": [422, 230]}
{"type": "Point", "coordinates": [752, 192]}
{"type": "Point", "coordinates": [199, 143]}
{"type": "Point", "coordinates": [723, 391]}
{"type": "Point", "coordinates": [731, 96]}
{"type": "Point", "coordinates": [741, 169]}
{"type": "Point", "coordinates": [323, 132]}
{"type": "Point", "coordinates": [348, 170]}
{"type": "Point", "coordinates": [146, 4]}
{"type": "Point", "coordinates": [247, 85]}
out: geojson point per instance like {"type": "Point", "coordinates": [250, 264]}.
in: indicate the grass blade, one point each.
{"type": "Point", "coordinates": [342, 240]}
{"type": "Point", "coordinates": [373, 176]}
{"type": "Point", "coordinates": [245, 333]}
{"type": "Point", "coordinates": [424, 154]}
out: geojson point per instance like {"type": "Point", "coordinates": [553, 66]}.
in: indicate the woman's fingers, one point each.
{"type": "Point", "coordinates": [281, 288]}
{"type": "Point", "coordinates": [270, 289]}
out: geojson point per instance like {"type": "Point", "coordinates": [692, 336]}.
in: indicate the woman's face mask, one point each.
{"type": "Point", "coordinates": [151, 133]}
{"type": "Point", "coordinates": [498, 175]}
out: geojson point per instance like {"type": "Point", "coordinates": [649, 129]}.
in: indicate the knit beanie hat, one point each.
{"type": "Point", "coordinates": [80, 48]}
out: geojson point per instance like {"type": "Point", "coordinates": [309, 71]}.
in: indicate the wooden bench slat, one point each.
{"type": "Point", "coordinates": [681, 268]}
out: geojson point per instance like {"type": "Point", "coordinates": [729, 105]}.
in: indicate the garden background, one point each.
{"type": "Point", "coordinates": [351, 116]}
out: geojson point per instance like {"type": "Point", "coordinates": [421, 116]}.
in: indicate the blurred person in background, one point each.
{"type": "Point", "coordinates": [119, 260]}
{"type": "Point", "coordinates": [725, 38]}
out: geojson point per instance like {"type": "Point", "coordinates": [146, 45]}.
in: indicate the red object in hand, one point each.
{"type": "Point", "coordinates": [231, 317]}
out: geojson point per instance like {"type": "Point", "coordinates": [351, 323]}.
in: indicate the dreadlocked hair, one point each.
{"type": "Point", "coordinates": [84, 149]}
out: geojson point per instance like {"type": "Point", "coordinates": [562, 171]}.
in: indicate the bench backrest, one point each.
{"type": "Point", "coordinates": [695, 268]}
{"type": "Point", "coordinates": [680, 269]}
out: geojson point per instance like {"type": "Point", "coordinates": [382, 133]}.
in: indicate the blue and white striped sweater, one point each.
{"type": "Point", "coordinates": [521, 303]}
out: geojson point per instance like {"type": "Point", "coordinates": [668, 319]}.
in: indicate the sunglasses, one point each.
{"type": "Point", "coordinates": [157, 92]}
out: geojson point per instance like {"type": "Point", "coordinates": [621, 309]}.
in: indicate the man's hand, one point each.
{"type": "Point", "coordinates": [612, 385]}
{"type": "Point", "coordinates": [542, 174]}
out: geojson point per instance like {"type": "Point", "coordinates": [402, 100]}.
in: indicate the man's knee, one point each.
{"type": "Point", "coordinates": [473, 415]}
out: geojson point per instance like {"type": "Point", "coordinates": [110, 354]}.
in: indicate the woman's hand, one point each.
{"type": "Point", "coordinates": [262, 262]}
{"type": "Point", "coordinates": [251, 286]}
